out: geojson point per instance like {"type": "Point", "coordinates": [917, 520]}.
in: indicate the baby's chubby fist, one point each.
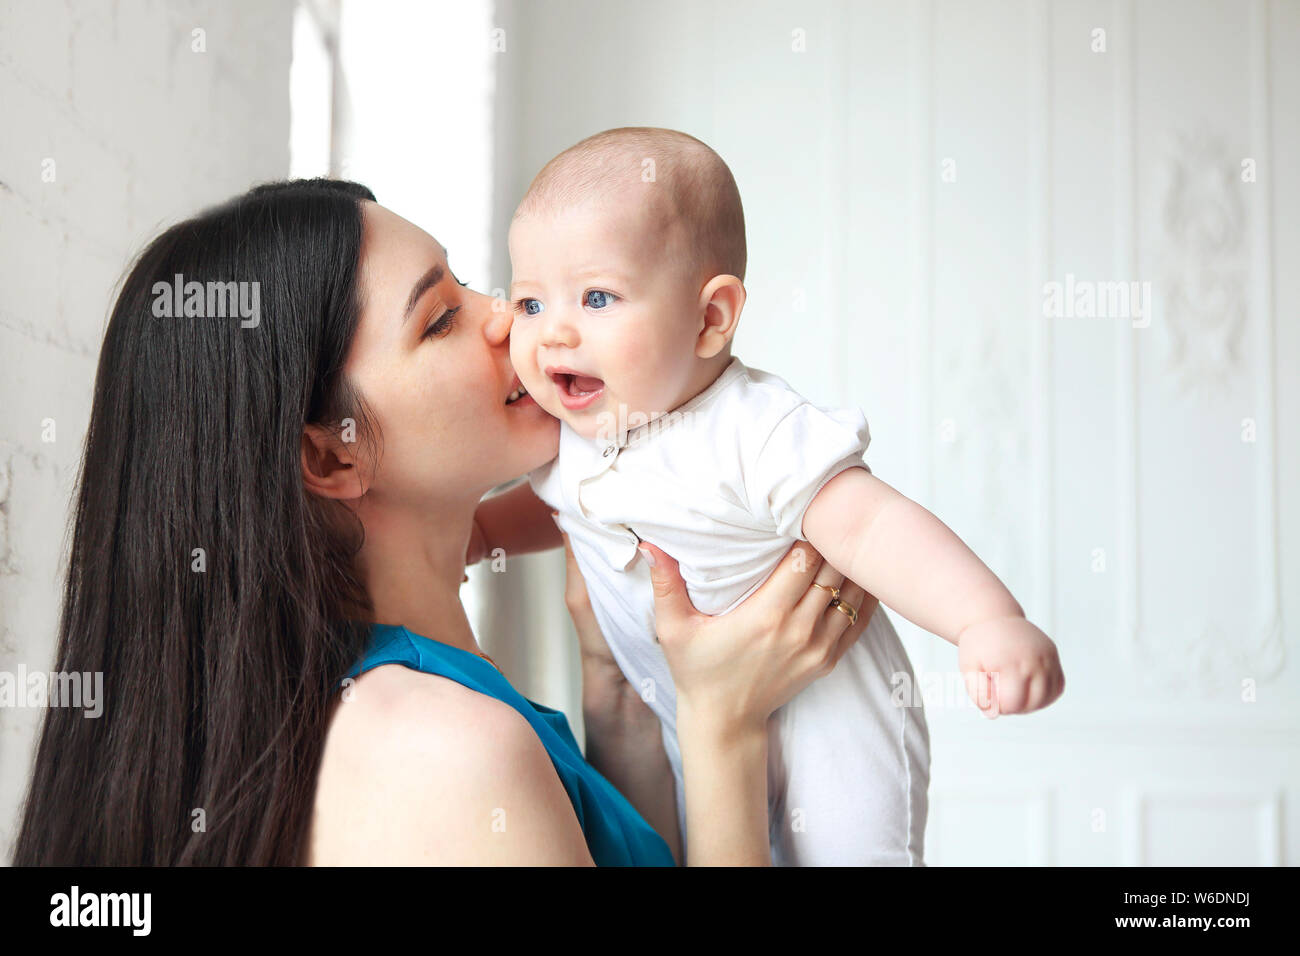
{"type": "Point", "coordinates": [1012, 667]}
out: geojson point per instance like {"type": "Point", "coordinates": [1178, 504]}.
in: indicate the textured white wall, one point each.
{"type": "Point", "coordinates": [113, 124]}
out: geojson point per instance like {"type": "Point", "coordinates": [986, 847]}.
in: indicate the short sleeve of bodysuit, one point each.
{"type": "Point", "coordinates": [803, 451]}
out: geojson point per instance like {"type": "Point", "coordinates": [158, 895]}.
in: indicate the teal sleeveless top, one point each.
{"type": "Point", "coordinates": [617, 835]}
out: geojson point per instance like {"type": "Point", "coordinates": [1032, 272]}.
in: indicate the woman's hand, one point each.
{"type": "Point", "coordinates": [735, 669]}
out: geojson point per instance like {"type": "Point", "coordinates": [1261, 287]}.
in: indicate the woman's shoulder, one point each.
{"type": "Point", "coordinates": [396, 697]}
{"type": "Point", "coordinates": [419, 768]}
{"type": "Point", "coordinates": [399, 721]}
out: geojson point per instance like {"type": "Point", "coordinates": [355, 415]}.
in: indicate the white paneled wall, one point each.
{"type": "Point", "coordinates": [915, 175]}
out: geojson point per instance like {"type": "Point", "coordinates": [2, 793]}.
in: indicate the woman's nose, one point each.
{"type": "Point", "coordinates": [496, 327]}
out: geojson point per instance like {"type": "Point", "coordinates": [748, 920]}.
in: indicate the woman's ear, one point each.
{"type": "Point", "coordinates": [721, 299]}
{"type": "Point", "coordinates": [329, 465]}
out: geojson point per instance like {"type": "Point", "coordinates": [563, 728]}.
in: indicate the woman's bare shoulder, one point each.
{"type": "Point", "coordinates": [421, 769]}
{"type": "Point", "coordinates": [393, 696]}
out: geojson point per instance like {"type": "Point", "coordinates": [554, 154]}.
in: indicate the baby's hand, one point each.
{"type": "Point", "coordinates": [1015, 666]}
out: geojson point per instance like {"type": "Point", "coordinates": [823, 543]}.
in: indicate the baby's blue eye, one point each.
{"type": "Point", "coordinates": [599, 300]}
{"type": "Point", "coordinates": [529, 306]}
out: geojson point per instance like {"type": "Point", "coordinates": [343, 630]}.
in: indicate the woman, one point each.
{"type": "Point", "coordinates": [272, 512]}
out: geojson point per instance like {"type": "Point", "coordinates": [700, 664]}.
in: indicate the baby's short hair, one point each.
{"type": "Point", "coordinates": [690, 186]}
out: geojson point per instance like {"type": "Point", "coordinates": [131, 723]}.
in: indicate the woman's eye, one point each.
{"type": "Point", "coordinates": [443, 325]}
{"type": "Point", "coordinates": [528, 306]}
{"type": "Point", "coordinates": [596, 299]}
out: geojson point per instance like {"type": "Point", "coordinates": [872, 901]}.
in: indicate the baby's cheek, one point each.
{"type": "Point", "coordinates": [521, 357]}
{"type": "Point", "coordinates": [659, 371]}
{"type": "Point", "coordinates": [635, 370]}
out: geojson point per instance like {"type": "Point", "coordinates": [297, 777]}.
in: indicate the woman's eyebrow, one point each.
{"type": "Point", "coordinates": [422, 285]}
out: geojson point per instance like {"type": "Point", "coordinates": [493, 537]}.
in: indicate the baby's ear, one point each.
{"type": "Point", "coordinates": [721, 301]}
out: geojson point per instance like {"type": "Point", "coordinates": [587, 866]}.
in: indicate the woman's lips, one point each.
{"type": "Point", "coordinates": [523, 399]}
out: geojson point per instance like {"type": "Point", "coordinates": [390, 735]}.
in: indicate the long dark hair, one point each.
{"type": "Point", "coordinates": [217, 664]}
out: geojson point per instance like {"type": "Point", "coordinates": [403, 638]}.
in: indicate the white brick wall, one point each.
{"type": "Point", "coordinates": [142, 130]}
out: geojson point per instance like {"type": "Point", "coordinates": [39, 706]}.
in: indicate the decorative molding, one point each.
{"type": "Point", "coordinates": [6, 566]}
{"type": "Point", "coordinates": [837, 188]}
{"type": "Point", "coordinates": [1037, 803]}
{"type": "Point", "coordinates": [1040, 817]}
{"type": "Point", "coordinates": [1272, 837]}
{"type": "Point", "coordinates": [1264, 314]}
{"type": "Point", "coordinates": [921, 318]}
{"type": "Point", "coordinates": [1039, 84]}
{"type": "Point", "coordinates": [1203, 222]}
{"type": "Point", "coordinates": [920, 328]}
{"type": "Point", "coordinates": [1138, 803]}
{"type": "Point", "coordinates": [1127, 558]}
{"type": "Point", "coordinates": [1132, 827]}
{"type": "Point", "coordinates": [1207, 659]}
{"type": "Point", "coordinates": [1227, 726]}
{"type": "Point", "coordinates": [988, 448]}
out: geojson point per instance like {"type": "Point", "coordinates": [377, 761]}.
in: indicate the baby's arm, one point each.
{"type": "Point", "coordinates": [916, 565]}
{"type": "Point", "coordinates": [904, 555]}
{"type": "Point", "coordinates": [516, 521]}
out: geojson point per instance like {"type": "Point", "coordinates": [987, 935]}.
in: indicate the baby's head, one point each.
{"type": "Point", "coordinates": [628, 257]}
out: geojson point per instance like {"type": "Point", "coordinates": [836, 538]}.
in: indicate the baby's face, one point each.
{"type": "Point", "coordinates": [605, 317]}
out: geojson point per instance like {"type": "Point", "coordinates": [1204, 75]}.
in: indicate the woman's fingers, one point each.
{"type": "Point", "coordinates": [790, 582]}
{"type": "Point", "coordinates": [827, 577]}
{"type": "Point", "coordinates": [822, 589]}
{"type": "Point", "coordinates": [866, 605]}
{"type": "Point", "coordinates": [673, 606]}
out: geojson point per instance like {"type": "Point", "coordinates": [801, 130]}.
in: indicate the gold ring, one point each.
{"type": "Point", "coordinates": [848, 609]}
{"type": "Point", "coordinates": [835, 592]}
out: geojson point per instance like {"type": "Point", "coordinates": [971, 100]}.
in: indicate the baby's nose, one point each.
{"type": "Point", "coordinates": [557, 330]}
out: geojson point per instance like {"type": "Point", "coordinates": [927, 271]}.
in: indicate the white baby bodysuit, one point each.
{"type": "Point", "coordinates": [721, 484]}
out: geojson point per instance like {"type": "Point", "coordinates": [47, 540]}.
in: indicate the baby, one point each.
{"type": "Point", "coordinates": [628, 255]}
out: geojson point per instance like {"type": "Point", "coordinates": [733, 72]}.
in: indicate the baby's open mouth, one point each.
{"type": "Point", "coordinates": [578, 390]}
{"type": "Point", "coordinates": [577, 385]}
